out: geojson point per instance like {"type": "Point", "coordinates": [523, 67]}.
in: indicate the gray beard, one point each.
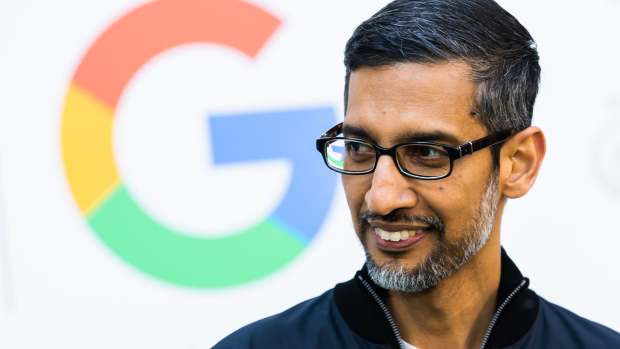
{"type": "Point", "coordinates": [447, 257]}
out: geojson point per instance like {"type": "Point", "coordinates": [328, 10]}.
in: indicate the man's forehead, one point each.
{"type": "Point", "coordinates": [446, 77]}
{"type": "Point", "coordinates": [403, 135]}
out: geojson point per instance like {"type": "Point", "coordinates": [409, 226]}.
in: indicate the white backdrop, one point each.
{"type": "Point", "coordinates": [61, 287]}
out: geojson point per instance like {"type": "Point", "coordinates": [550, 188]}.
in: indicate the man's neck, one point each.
{"type": "Point", "coordinates": [457, 312]}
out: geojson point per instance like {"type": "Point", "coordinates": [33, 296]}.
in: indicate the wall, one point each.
{"type": "Point", "coordinates": [207, 147]}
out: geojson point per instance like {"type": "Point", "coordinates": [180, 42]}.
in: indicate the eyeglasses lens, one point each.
{"type": "Point", "coordinates": [424, 160]}
{"type": "Point", "coordinates": [352, 156]}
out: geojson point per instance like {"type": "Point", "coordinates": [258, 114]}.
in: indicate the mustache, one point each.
{"type": "Point", "coordinates": [434, 222]}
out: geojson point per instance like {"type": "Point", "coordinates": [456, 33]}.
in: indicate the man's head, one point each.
{"type": "Point", "coordinates": [450, 72]}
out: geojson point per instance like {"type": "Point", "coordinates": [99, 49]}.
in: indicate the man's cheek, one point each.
{"type": "Point", "coordinates": [456, 221]}
{"type": "Point", "coordinates": [355, 198]}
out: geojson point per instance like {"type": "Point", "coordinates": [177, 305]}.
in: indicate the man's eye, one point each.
{"type": "Point", "coordinates": [423, 152]}
{"type": "Point", "coordinates": [429, 152]}
{"type": "Point", "coordinates": [423, 155]}
{"type": "Point", "coordinates": [357, 151]}
{"type": "Point", "coordinates": [359, 148]}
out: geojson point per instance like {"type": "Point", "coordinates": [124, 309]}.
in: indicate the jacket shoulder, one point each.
{"type": "Point", "coordinates": [288, 329]}
{"type": "Point", "coordinates": [560, 327]}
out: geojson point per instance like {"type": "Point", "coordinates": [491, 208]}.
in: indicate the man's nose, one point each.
{"type": "Point", "coordinates": [389, 190]}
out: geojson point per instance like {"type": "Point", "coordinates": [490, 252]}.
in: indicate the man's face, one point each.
{"type": "Point", "coordinates": [445, 219]}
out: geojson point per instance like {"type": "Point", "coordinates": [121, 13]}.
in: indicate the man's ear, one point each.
{"type": "Point", "coordinates": [520, 160]}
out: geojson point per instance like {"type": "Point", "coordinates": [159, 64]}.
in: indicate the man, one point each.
{"type": "Point", "coordinates": [437, 136]}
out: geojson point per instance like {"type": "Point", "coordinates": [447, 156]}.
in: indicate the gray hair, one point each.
{"type": "Point", "coordinates": [500, 51]}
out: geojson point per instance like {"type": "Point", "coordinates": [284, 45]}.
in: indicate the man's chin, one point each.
{"type": "Point", "coordinates": [414, 271]}
{"type": "Point", "coordinates": [383, 259]}
{"type": "Point", "coordinates": [396, 275]}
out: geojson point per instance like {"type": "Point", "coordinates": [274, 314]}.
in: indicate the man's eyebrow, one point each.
{"type": "Point", "coordinates": [429, 136]}
{"type": "Point", "coordinates": [354, 131]}
{"type": "Point", "coordinates": [415, 136]}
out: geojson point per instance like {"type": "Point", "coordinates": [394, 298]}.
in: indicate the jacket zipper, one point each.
{"type": "Point", "coordinates": [385, 310]}
{"type": "Point", "coordinates": [498, 312]}
{"type": "Point", "coordinates": [394, 327]}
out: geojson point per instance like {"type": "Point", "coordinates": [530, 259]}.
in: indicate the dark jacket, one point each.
{"type": "Point", "coordinates": [354, 315]}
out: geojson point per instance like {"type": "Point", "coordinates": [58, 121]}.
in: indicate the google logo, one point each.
{"type": "Point", "coordinates": [107, 204]}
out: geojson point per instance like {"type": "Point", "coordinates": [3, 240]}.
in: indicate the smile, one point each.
{"type": "Point", "coordinates": [397, 240]}
{"type": "Point", "coordinates": [396, 235]}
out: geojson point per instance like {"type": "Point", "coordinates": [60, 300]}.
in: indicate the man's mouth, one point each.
{"type": "Point", "coordinates": [396, 235]}
{"type": "Point", "coordinates": [398, 239]}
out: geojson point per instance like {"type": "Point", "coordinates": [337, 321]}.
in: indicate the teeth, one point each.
{"type": "Point", "coordinates": [396, 235]}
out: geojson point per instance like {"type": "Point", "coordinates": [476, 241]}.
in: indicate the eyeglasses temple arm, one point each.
{"type": "Point", "coordinates": [332, 132]}
{"type": "Point", "coordinates": [470, 147]}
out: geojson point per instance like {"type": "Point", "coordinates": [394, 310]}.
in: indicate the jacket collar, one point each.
{"type": "Point", "coordinates": [366, 319]}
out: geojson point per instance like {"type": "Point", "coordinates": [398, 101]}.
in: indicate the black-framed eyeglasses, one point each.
{"type": "Point", "coordinates": [421, 160]}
